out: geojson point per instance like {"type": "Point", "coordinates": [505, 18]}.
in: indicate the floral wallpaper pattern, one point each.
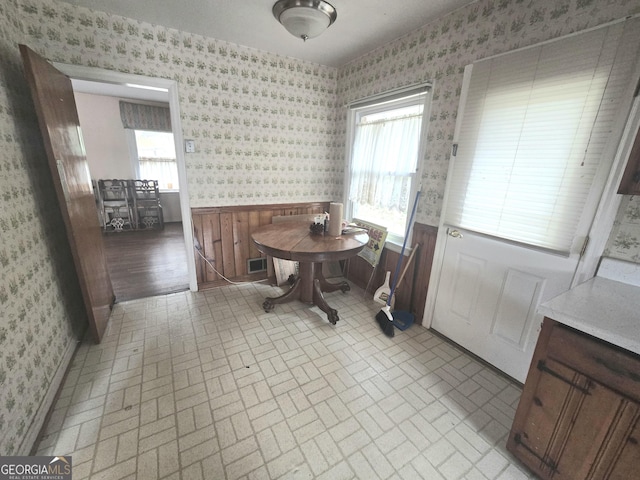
{"type": "Point", "coordinates": [438, 52]}
{"type": "Point", "coordinates": [264, 125]}
{"type": "Point", "coordinates": [624, 241]}
{"type": "Point", "coordinates": [268, 129]}
{"type": "Point", "coordinates": [40, 312]}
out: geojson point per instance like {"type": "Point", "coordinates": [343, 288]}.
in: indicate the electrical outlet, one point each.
{"type": "Point", "coordinates": [190, 146]}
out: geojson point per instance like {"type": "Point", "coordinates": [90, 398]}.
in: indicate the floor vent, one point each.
{"type": "Point", "coordinates": [255, 265]}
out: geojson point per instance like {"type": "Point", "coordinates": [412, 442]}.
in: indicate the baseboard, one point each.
{"type": "Point", "coordinates": [29, 440]}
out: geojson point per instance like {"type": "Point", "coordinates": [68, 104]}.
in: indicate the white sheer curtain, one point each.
{"type": "Point", "coordinates": [156, 158]}
{"type": "Point", "coordinates": [165, 170]}
{"type": "Point", "coordinates": [385, 154]}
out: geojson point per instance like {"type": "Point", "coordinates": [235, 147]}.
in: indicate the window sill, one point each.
{"type": "Point", "coordinates": [396, 246]}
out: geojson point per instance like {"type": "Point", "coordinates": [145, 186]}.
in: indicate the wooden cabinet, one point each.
{"type": "Point", "coordinates": [630, 183]}
{"type": "Point", "coordinates": [579, 414]}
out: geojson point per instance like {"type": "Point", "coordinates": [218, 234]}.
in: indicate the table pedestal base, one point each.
{"type": "Point", "coordinates": [309, 288]}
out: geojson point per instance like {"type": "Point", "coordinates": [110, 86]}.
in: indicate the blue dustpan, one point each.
{"type": "Point", "coordinates": [402, 320]}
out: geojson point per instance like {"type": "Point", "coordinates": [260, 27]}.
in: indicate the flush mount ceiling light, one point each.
{"type": "Point", "coordinates": [304, 18]}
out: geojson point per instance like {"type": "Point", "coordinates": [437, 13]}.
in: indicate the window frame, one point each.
{"type": "Point", "coordinates": [135, 157]}
{"type": "Point", "coordinates": [390, 101]}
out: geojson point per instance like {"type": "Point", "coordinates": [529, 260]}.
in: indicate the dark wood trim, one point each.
{"type": "Point", "coordinates": [267, 210]}
{"type": "Point", "coordinates": [630, 183]}
{"type": "Point", "coordinates": [426, 236]}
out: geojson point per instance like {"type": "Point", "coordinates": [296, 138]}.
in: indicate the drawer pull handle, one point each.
{"type": "Point", "coordinates": [542, 366]}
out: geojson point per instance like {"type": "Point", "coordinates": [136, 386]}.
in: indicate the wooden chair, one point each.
{"type": "Point", "coordinates": [117, 211]}
{"type": "Point", "coordinates": [146, 204]}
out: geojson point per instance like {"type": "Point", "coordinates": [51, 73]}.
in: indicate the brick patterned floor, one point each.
{"type": "Point", "coordinates": [208, 386]}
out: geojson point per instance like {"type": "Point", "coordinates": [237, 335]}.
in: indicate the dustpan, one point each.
{"type": "Point", "coordinates": [402, 320]}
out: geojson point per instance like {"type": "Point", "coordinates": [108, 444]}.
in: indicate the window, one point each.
{"type": "Point", "coordinates": [534, 134]}
{"type": "Point", "coordinates": [383, 162]}
{"type": "Point", "coordinates": [151, 142]}
{"type": "Point", "coordinates": [156, 156]}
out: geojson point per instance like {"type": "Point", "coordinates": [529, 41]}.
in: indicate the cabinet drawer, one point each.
{"type": "Point", "coordinates": [601, 361]}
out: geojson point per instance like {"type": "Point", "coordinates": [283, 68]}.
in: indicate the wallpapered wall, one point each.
{"type": "Point", "coordinates": [41, 312]}
{"type": "Point", "coordinates": [264, 125]}
{"type": "Point", "coordinates": [269, 129]}
{"type": "Point", "coordinates": [438, 52]}
{"type": "Point", "coordinates": [624, 241]}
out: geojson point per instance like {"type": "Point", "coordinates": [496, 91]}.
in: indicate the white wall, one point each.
{"type": "Point", "coordinates": [170, 202]}
{"type": "Point", "coordinates": [107, 147]}
{"type": "Point", "coordinates": [105, 139]}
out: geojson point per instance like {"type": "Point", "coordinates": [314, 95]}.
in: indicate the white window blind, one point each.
{"type": "Point", "coordinates": [533, 132]}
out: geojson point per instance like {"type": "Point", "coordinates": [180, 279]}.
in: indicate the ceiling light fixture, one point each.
{"type": "Point", "coordinates": [304, 18]}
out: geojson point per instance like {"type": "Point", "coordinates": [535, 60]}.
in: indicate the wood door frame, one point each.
{"type": "Point", "coordinates": [608, 204]}
{"type": "Point", "coordinates": [107, 76]}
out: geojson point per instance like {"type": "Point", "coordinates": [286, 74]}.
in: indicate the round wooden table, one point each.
{"type": "Point", "coordinates": [294, 241]}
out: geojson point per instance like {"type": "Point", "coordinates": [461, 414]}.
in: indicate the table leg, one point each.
{"type": "Point", "coordinates": [321, 303]}
{"type": "Point", "coordinates": [308, 288]}
{"type": "Point", "coordinates": [321, 285]}
{"type": "Point", "coordinates": [292, 294]}
{"type": "Point", "coordinates": [328, 287]}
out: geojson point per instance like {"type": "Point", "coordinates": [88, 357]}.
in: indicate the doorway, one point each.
{"type": "Point", "coordinates": [142, 262]}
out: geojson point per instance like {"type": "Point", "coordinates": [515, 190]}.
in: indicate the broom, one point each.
{"type": "Point", "coordinates": [385, 317]}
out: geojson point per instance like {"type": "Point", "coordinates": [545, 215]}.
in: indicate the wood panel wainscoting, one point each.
{"type": "Point", "coordinates": [223, 236]}
{"type": "Point", "coordinates": [412, 292]}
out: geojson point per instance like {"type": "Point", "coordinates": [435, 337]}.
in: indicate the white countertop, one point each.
{"type": "Point", "coordinates": [604, 308]}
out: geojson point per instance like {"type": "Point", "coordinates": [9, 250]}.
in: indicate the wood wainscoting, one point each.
{"type": "Point", "coordinates": [223, 236]}
{"type": "Point", "coordinates": [411, 295]}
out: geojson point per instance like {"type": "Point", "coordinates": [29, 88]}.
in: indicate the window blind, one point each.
{"type": "Point", "coordinates": [533, 132]}
{"type": "Point", "coordinates": [140, 116]}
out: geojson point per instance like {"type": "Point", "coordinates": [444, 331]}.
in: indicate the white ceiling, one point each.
{"type": "Point", "coordinates": [361, 25]}
{"type": "Point", "coordinates": [119, 90]}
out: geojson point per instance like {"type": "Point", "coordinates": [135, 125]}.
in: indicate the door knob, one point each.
{"type": "Point", "coordinates": [454, 233]}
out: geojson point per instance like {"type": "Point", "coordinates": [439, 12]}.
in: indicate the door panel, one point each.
{"type": "Point", "coordinates": [488, 294]}
{"type": "Point", "coordinates": [466, 286]}
{"type": "Point", "coordinates": [58, 119]}
{"type": "Point", "coordinates": [515, 301]}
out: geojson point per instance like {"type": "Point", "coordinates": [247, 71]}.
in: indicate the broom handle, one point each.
{"type": "Point", "coordinates": [406, 267]}
{"type": "Point", "coordinates": [404, 244]}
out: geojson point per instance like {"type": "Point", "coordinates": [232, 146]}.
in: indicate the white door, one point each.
{"type": "Point", "coordinates": [537, 130]}
{"type": "Point", "coordinates": [488, 294]}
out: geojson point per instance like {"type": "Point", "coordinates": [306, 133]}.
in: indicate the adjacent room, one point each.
{"type": "Point", "coordinates": [308, 239]}
{"type": "Point", "coordinates": [132, 161]}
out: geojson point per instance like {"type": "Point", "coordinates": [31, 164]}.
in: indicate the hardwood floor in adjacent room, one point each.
{"type": "Point", "coordinates": [147, 263]}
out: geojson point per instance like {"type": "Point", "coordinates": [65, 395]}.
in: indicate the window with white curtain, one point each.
{"type": "Point", "coordinates": [157, 158]}
{"type": "Point", "coordinates": [384, 158]}
{"type": "Point", "coordinates": [533, 136]}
